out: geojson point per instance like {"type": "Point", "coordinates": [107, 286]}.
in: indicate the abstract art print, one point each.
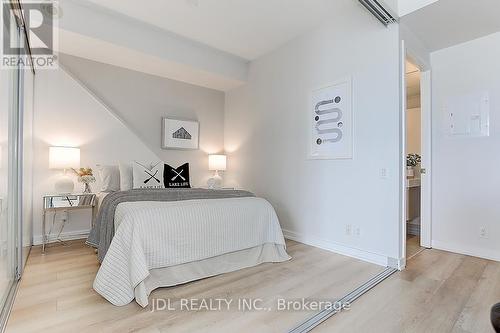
{"type": "Point", "coordinates": [331, 122]}
{"type": "Point", "coordinates": [180, 134]}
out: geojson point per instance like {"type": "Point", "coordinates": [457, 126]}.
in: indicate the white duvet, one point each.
{"type": "Point", "coordinates": [153, 235]}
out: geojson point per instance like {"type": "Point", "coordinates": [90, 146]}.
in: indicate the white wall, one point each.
{"type": "Point", "coordinates": [413, 131]}
{"type": "Point", "coordinates": [141, 100]}
{"type": "Point", "coordinates": [266, 136]}
{"type": "Point", "coordinates": [67, 115]}
{"type": "Point", "coordinates": [406, 7]}
{"type": "Point", "coordinates": [466, 177]}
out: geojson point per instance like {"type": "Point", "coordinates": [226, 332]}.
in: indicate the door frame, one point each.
{"type": "Point", "coordinates": [426, 148]}
{"type": "Point", "coordinates": [426, 152]}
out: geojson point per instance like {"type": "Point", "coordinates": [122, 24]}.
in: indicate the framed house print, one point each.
{"type": "Point", "coordinates": [180, 134]}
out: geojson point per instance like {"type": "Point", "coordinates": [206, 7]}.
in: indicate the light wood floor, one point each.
{"type": "Point", "coordinates": [438, 292]}
{"type": "Point", "coordinates": [412, 245]}
{"type": "Point", "coordinates": [56, 294]}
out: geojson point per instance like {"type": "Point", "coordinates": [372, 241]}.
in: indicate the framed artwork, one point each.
{"type": "Point", "coordinates": [331, 122]}
{"type": "Point", "coordinates": [180, 134]}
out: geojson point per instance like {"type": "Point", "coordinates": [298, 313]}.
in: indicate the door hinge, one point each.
{"type": "Point", "coordinates": [423, 171]}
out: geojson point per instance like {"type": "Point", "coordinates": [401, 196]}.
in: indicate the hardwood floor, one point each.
{"type": "Point", "coordinates": [412, 245]}
{"type": "Point", "coordinates": [438, 292]}
{"type": "Point", "coordinates": [56, 294]}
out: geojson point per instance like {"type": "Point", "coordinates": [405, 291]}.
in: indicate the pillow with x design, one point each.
{"type": "Point", "coordinates": [176, 177]}
{"type": "Point", "coordinates": [148, 175]}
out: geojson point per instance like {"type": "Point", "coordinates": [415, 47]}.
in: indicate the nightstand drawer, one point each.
{"type": "Point", "coordinates": [69, 201]}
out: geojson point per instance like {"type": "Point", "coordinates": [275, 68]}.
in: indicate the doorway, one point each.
{"type": "Point", "coordinates": [413, 159]}
{"type": "Point", "coordinates": [416, 156]}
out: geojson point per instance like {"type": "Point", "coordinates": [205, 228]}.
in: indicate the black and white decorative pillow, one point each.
{"type": "Point", "coordinates": [148, 175]}
{"type": "Point", "coordinates": [176, 177]}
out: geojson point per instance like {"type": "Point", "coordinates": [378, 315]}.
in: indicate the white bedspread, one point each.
{"type": "Point", "coordinates": [151, 235]}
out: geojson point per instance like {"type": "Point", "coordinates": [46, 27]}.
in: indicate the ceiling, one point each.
{"type": "Point", "coordinates": [449, 22]}
{"type": "Point", "coordinates": [245, 28]}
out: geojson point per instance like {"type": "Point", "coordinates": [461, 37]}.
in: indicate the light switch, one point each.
{"type": "Point", "coordinates": [384, 173]}
{"type": "Point", "coordinates": [468, 114]}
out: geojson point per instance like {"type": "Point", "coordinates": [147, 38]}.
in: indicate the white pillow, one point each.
{"type": "Point", "coordinates": [148, 176]}
{"type": "Point", "coordinates": [109, 176]}
{"type": "Point", "coordinates": [126, 177]}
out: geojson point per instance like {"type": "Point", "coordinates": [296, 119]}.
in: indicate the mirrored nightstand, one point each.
{"type": "Point", "coordinates": [65, 203]}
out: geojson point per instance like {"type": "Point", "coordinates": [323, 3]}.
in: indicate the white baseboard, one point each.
{"type": "Point", "coordinates": [66, 236]}
{"type": "Point", "coordinates": [466, 250]}
{"type": "Point", "coordinates": [399, 264]}
{"type": "Point", "coordinates": [371, 257]}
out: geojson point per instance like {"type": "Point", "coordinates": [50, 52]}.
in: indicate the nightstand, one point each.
{"type": "Point", "coordinates": [66, 203]}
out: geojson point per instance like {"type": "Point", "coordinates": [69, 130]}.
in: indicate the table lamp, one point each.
{"type": "Point", "coordinates": [64, 158]}
{"type": "Point", "coordinates": [216, 163]}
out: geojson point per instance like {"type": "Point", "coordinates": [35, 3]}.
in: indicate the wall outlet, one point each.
{"type": "Point", "coordinates": [483, 232]}
{"type": "Point", "coordinates": [357, 231]}
{"type": "Point", "coordinates": [348, 230]}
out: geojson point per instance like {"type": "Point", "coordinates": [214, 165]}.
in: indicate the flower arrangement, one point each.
{"type": "Point", "coordinates": [412, 160]}
{"type": "Point", "coordinates": [85, 176]}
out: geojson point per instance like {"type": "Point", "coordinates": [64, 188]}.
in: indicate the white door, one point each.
{"type": "Point", "coordinates": [426, 147]}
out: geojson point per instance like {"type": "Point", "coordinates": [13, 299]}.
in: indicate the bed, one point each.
{"type": "Point", "coordinates": [148, 239]}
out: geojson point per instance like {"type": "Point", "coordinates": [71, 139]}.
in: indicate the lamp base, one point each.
{"type": "Point", "coordinates": [64, 185]}
{"type": "Point", "coordinates": [215, 182]}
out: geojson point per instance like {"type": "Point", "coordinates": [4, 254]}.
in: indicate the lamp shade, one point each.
{"type": "Point", "coordinates": [64, 158]}
{"type": "Point", "coordinates": [217, 162]}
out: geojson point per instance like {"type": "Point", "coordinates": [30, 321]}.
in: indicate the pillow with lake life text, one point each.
{"type": "Point", "coordinates": [176, 177]}
{"type": "Point", "coordinates": [147, 175]}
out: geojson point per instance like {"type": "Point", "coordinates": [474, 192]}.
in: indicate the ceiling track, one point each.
{"type": "Point", "coordinates": [379, 11]}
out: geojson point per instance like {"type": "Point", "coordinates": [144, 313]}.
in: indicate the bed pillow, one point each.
{"type": "Point", "coordinates": [126, 176]}
{"type": "Point", "coordinates": [148, 175]}
{"type": "Point", "coordinates": [109, 176]}
{"type": "Point", "coordinates": [176, 177]}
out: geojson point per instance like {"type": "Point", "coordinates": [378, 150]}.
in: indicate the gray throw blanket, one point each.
{"type": "Point", "coordinates": [104, 228]}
